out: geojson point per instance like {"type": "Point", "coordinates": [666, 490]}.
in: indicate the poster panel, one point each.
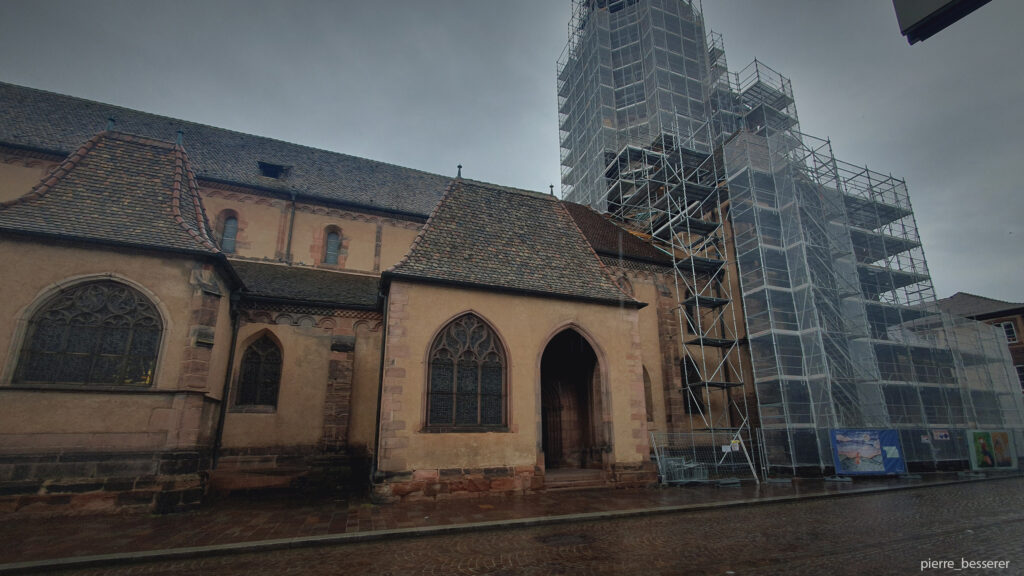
{"type": "Point", "coordinates": [867, 452]}
{"type": "Point", "coordinates": [991, 450]}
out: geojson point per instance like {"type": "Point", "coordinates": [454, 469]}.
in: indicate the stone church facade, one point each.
{"type": "Point", "coordinates": [187, 309]}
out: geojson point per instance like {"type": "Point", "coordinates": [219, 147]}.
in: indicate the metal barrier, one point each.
{"type": "Point", "coordinates": [703, 456]}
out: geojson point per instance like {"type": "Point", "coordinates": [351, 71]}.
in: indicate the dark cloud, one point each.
{"type": "Point", "coordinates": [434, 84]}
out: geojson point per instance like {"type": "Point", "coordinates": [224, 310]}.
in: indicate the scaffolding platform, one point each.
{"type": "Point", "coordinates": [766, 116]}
{"type": "Point", "coordinates": [700, 265]}
{"type": "Point", "coordinates": [712, 342]}
{"type": "Point", "coordinates": [871, 214]}
{"type": "Point", "coordinates": [664, 227]}
{"type": "Point", "coordinates": [877, 279]}
{"type": "Point", "coordinates": [884, 314]}
{"type": "Point", "coordinates": [760, 92]}
{"type": "Point", "coordinates": [721, 385]}
{"type": "Point", "coordinates": [706, 301]}
{"type": "Point", "coordinates": [870, 246]}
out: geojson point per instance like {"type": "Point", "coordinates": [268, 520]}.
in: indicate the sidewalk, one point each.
{"type": "Point", "coordinates": [242, 523]}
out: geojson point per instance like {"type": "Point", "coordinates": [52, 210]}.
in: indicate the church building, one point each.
{"type": "Point", "coordinates": [188, 308]}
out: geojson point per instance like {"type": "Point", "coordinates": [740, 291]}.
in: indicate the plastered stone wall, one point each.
{"type": "Point", "coordinates": [261, 221]}
{"type": "Point", "coordinates": [298, 417]}
{"type": "Point", "coordinates": [370, 242]}
{"type": "Point", "coordinates": [396, 239]}
{"type": "Point", "coordinates": [86, 448]}
{"type": "Point", "coordinates": [171, 282]}
{"type": "Point", "coordinates": [327, 396]}
{"type": "Point", "coordinates": [19, 173]}
{"type": "Point", "coordinates": [416, 312]}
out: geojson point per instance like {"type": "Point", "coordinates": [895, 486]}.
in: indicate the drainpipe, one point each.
{"type": "Point", "coordinates": [226, 389]}
{"type": "Point", "coordinates": [291, 227]}
{"type": "Point", "coordinates": [380, 387]}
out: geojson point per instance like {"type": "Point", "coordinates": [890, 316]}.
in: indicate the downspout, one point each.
{"type": "Point", "coordinates": [226, 389]}
{"type": "Point", "coordinates": [380, 386]}
{"type": "Point", "coordinates": [291, 227]}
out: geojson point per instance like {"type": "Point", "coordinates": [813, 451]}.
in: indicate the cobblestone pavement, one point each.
{"type": "Point", "coordinates": [878, 533]}
{"type": "Point", "coordinates": [240, 519]}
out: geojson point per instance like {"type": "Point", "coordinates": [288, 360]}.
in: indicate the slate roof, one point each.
{"type": "Point", "coordinates": [487, 236]}
{"type": "Point", "coordinates": [46, 121]}
{"type": "Point", "coordinates": [307, 285]}
{"type": "Point", "coordinates": [971, 305]}
{"type": "Point", "coordinates": [118, 189]}
{"type": "Point", "coordinates": [608, 239]}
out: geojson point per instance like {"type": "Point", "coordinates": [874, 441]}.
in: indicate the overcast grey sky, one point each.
{"type": "Point", "coordinates": [430, 84]}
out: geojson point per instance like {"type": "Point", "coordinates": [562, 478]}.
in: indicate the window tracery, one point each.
{"type": "Point", "coordinates": [260, 377]}
{"type": "Point", "coordinates": [96, 333]}
{"type": "Point", "coordinates": [467, 377]}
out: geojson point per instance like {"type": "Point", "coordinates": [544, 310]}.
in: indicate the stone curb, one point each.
{"type": "Point", "coordinates": [371, 535]}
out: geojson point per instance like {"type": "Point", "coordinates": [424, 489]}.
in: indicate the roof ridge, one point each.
{"type": "Point", "coordinates": [181, 172]}
{"type": "Point", "coordinates": [985, 298]}
{"type": "Point", "coordinates": [197, 199]}
{"type": "Point", "coordinates": [235, 259]}
{"type": "Point", "coordinates": [57, 174]}
{"type": "Point", "coordinates": [452, 184]}
{"type": "Point", "coordinates": [138, 139]}
{"type": "Point", "coordinates": [604, 269]}
{"type": "Point", "coordinates": [512, 190]}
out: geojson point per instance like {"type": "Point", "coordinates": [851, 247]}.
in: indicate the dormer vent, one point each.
{"type": "Point", "coordinates": [273, 170]}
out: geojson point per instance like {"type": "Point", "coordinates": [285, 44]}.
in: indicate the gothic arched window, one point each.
{"type": "Point", "coordinates": [467, 377]}
{"type": "Point", "coordinates": [97, 333]}
{"type": "Point", "coordinates": [260, 376]}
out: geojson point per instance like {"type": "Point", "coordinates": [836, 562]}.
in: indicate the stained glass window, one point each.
{"type": "Point", "coordinates": [467, 377]}
{"type": "Point", "coordinates": [97, 333]}
{"type": "Point", "coordinates": [260, 376]}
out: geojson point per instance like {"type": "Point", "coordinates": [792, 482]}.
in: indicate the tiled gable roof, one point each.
{"type": "Point", "coordinates": [296, 284]}
{"type": "Point", "coordinates": [120, 189]}
{"type": "Point", "coordinates": [971, 305]}
{"type": "Point", "coordinates": [610, 240]}
{"type": "Point", "coordinates": [42, 120]}
{"type": "Point", "coordinates": [487, 236]}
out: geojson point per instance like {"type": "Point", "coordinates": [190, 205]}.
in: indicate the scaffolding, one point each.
{"type": "Point", "coordinates": [820, 259]}
{"type": "Point", "coordinates": [839, 303]}
{"type": "Point", "coordinates": [636, 144]}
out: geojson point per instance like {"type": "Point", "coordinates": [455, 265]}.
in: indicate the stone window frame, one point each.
{"type": "Point", "coordinates": [243, 350]}
{"type": "Point", "coordinates": [221, 229]}
{"type": "Point", "coordinates": [496, 346]}
{"type": "Point", "coordinates": [24, 327]}
{"type": "Point", "coordinates": [340, 256]}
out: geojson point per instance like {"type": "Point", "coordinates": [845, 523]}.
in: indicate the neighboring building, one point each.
{"type": "Point", "coordinates": [1007, 317]}
{"type": "Point", "coordinates": [824, 256]}
{"type": "Point", "coordinates": [921, 19]}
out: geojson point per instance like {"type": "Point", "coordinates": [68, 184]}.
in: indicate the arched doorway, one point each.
{"type": "Point", "coordinates": [572, 427]}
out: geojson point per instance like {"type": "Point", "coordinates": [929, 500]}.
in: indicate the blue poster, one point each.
{"type": "Point", "coordinates": [866, 452]}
